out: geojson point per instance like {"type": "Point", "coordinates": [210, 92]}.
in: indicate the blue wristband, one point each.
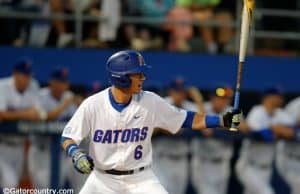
{"type": "Point", "coordinates": [70, 149]}
{"type": "Point", "coordinates": [212, 121]}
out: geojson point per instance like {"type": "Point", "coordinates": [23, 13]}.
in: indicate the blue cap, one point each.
{"type": "Point", "coordinates": [178, 84]}
{"type": "Point", "coordinates": [273, 91]}
{"type": "Point", "coordinates": [95, 87]}
{"type": "Point", "coordinates": [23, 66]}
{"type": "Point", "coordinates": [60, 74]}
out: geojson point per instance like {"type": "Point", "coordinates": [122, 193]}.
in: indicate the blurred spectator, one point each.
{"type": "Point", "coordinates": [18, 101]}
{"type": "Point", "coordinates": [211, 156]}
{"type": "Point", "coordinates": [62, 31]}
{"type": "Point", "coordinates": [59, 104]}
{"type": "Point", "coordinates": [147, 36]}
{"type": "Point", "coordinates": [206, 10]}
{"type": "Point", "coordinates": [111, 10]}
{"type": "Point", "coordinates": [288, 152]}
{"type": "Point", "coordinates": [181, 31]}
{"type": "Point", "coordinates": [266, 122]}
{"type": "Point", "coordinates": [19, 31]}
{"type": "Point", "coordinates": [175, 181]}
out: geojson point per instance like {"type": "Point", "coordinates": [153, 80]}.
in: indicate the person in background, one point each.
{"type": "Point", "coordinates": [18, 101]}
{"type": "Point", "coordinates": [210, 156]}
{"type": "Point", "coordinates": [288, 151]}
{"type": "Point", "coordinates": [59, 103]}
{"type": "Point", "coordinates": [172, 165]}
{"type": "Point", "coordinates": [267, 122]}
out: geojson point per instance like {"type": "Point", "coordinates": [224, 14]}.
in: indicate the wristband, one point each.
{"type": "Point", "coordinates": [212, 121]}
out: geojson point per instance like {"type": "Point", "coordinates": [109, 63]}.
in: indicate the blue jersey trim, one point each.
{"type": "Point", "coordinates": [117, 106]}
{"type": "Point", "coordinates": [265, 134]}
{"type": "Point", "coordinates": [212, 121]}
{"type": "Point", "coordinates": [188, 122]}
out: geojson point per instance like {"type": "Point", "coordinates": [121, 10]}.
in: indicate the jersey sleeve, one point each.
{"type": "Point", "coordinates": [3, 104]}
{"type": "Point", "coordinates": [79, 126]}
{"type": "Point", "coordinates": [168, 117]}
{"type": "Point", "coordinates": [256, 119]}
{"type": "Point", "coordinates": [293, 109]}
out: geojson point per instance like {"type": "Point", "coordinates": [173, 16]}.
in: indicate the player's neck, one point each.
{"type": "Point", "coordinates": [120, 95]}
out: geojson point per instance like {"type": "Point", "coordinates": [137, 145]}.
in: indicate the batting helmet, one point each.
{"type": "Point", "coordinates": [122, 63]}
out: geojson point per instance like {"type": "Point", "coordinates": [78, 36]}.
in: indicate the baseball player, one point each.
{"type": "Point", "coordinates": [266, 122]}
{"type": "Point", "coordinates": [120, 122]}
{"type": "Point", "coordinates": [172, 165]}
{"type": "Point", "coordinates": [288, 152]}
{"type": "Point", "coordinates": [18, 101]}
{"type": "Point", "coordinates": [58, 102]}
{"type": "Point", "coordinates": [211, 157]}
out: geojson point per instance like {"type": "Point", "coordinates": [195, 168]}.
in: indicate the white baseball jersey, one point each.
{"type": "Point", "coordinates": [258, 119]}
{"type": "Point", "coordinates": [48, 102]}
{"type": "Point", "coordinates": [293, 110]}
{"type": "Point", "coordinates": [122, 140]}
{"type": "Point", "coordinates": [11, 99]}
{"type": "Point", "coordinates": [211, 147]}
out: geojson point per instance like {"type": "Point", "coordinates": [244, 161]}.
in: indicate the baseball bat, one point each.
{"type": "Point", "coordinates": [245, 29]}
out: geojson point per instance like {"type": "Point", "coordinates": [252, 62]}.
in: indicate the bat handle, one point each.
{"type": "Point", "coordinates": [236, 105]}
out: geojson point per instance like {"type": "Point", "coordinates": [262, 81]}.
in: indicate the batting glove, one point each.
{"type": "Point", "coordinates": [233, 116]}
{"type": "Point", "coordinates": [83, 163]}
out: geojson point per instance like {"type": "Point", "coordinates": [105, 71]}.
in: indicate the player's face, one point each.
{"type": "Point", "coordinates": [276, 100]}
{"type": "Point", "coordinates": [220, 103]}
{"type": "Point", "coordinates": [177, 96]}
{"type": "Point", "coordinates": [21, 81]}
{"type": "Point", "coordinates": [137, 80]}
{"type": "Point", "coordinates": [58, 87]}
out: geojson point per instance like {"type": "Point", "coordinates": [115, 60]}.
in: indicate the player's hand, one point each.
{"type": "Point", "coordinates": [233, 116]}
{"type": "Point", "coordinates": [83, 163]}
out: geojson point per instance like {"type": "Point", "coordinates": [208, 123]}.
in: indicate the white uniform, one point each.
{"type": "Point", "coordinates": [12, 146]}
{"type": "Point", "coordinates": [39, 152]}
{"type": "Point", "coordinates": [254, 167]}
{"type": "Point", "coordinates": [288, 152]}
{"type": "Point", "coordinates": [122, 140]}
{"type": "Point", "coordinates": [211, 161]}
{"type": "Point", "coordinates": [171, 158]}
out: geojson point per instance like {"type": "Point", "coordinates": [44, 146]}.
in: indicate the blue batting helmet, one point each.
{"type": "Point", "coordinates": [122, 63]}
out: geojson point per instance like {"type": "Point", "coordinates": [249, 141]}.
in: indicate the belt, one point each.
{"type": "Point", "coordinates": [125, 172]}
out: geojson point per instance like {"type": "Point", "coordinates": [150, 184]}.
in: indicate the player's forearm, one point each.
{"type": "Point", "coordinates": [10, 116]}
{"type": "Point", "coordinates": [203, 121]}
{"type": "Point", "coordinates": [66, 142]}
{"type": "Point", "coordinates": [54, 114]}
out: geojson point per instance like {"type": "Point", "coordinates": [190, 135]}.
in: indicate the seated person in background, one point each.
{"type": "Point", "coordinates": [203, 11]}
{"type": "Point", "coordinates": [172, 165]}
{"type": "Point", "coordinates": [18, 101]}
{"type": "Point", "coordinates": [59, 103]}
{"type": "Point", "coordinates": [267, 122]}
{"type": "Point", "coordinates": [288, 151]}
{"type": "Point", "coordinates": [210, 156]}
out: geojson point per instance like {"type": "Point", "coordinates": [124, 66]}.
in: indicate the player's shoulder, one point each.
{"type": "Point", "coordinates": [282, 117]}
{"type": "Point", "coordinates": [98, 97]}
{"type": "Point", "coordinates": [294, 102]}
{"type": "Point", "coordinates": [7, 81]}
{"type": "Point", "coordinates": [44, 92]}
{"type": "Point", "coordinates": [257, 109]}
{"type": "Point", "coordinates": [146, 96]}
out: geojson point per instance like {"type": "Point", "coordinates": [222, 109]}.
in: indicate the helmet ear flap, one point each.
{"type": "Point", "coordinates": [120, 81]}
